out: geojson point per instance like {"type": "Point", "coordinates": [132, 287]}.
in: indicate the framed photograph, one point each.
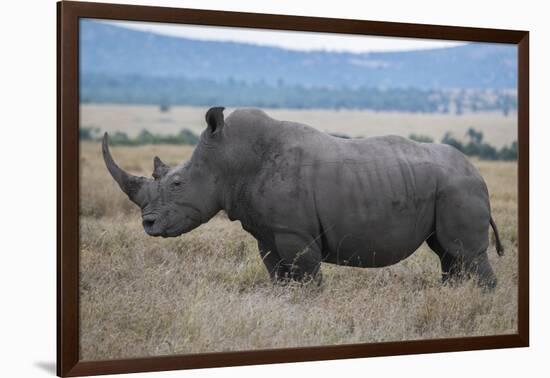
{"type": "Point", "coordinates": [239, 188]}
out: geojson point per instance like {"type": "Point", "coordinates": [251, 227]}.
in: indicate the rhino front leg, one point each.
{"type": "Point", "coordinates": [301, 256]}
{"type": "Point", "coordinates": [275, 266]}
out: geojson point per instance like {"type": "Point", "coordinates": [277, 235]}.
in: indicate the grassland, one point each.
{"type": "Point", "coordinates": [208, 291]}
{"type": "Point", "coordinates": [498, 130]}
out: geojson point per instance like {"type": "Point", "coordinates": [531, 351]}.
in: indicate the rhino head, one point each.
{"type": "Point", "coordinates": [177, 199]}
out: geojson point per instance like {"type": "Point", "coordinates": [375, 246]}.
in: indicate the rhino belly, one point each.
{"type": "Point", "coordinates": [376, 236]}
{"type": "Point", "coordinates": [375, 213]}
{"type": "Point", "coordinates": [372, 247]}
{"type": "Point", "coordinates": [361, 250]}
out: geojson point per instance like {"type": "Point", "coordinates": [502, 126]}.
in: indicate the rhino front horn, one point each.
{"type": "Point", "coordinates": [129, 184]}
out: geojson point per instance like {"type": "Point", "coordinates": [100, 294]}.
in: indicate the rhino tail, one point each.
{"type": "Point", "coordinates": [500, 249]}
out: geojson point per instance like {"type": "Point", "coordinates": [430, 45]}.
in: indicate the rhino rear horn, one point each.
{"type": "Point", "coordinates": [159, 168]}
{"type": "Point", "coordinates": [129, 184]}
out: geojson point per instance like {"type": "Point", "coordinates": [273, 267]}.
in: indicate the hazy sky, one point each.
{"type": "Point", "coordinates": [289, 39]}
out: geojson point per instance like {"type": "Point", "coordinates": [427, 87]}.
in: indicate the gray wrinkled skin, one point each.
{"type": "Point", "coordinates": [309, 197]}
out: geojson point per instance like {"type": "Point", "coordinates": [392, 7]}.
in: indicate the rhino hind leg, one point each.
{"type": "Point", "coordinates": [461, 235]}
{"type": "Point", "coordinates": [457, 268]}
{"type": "Point", "coordinates": [450, 270]}
{"type": "Point", "coordinates": [481, 267]}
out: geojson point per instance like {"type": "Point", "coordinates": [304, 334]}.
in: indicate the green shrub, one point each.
{"type": "Point", "coordinates": [450, 140]}
{"type": "Point", "coordinates": [477, 148]}
{"type": "Point", "coordinates": [188, 137]}
{"type": "Point", "coordinates": [421, 138]}
{"type": "Point", "coordinates": [120, 138]}
{"type": "Point", "coordinates": [487, 152]}
{"type": "Point", "coordinates": [509, 153]}
{"type": "Point", "coordinates": [88, 133]}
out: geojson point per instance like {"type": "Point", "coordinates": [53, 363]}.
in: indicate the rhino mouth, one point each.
{"type": "Point", "coordinates": [157, 226]}
{"type": "Point", "coordinates": [151, 223]}
{"type": "Point", "coordinates": [188, 224]}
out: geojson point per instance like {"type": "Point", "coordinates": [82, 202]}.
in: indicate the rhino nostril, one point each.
{"type": "Point", "coordinates": [149, 221]}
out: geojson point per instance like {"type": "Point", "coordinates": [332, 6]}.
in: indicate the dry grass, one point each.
{"type": "Point", "coordinates": [208, 291]}
{"type": "Point", "coordinates": [497, 129]}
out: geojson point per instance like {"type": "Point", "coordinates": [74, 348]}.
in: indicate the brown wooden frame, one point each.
{"type": "Point", "coordinates": [68, 14]}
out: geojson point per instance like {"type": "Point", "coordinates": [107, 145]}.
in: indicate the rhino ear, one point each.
{"type": "Point", "coordinates": [160, 169]}
{"type": "Point", "coordinates": [214, 119]}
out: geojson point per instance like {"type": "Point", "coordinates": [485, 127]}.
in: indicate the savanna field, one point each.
{"type": "Point", "coordinates": [208, 290]}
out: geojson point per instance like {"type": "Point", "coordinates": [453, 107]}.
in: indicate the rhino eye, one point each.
{"type": "Point", "coordinates": [176, 183]}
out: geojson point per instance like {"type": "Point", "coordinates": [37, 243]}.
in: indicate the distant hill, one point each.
{"type": "Point", "coordinates": [124, 65]}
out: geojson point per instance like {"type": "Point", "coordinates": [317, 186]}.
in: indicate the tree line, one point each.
{"type": "Point", "coordinates": [165, 92]}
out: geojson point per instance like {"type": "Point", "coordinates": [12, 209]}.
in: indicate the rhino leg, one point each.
{"type": "Point", "coordinates": [462, 231]}
{"type": "Point", "coordinates": [457, 268]}
{"type": "Point", "coordinates": [481, 267]}
{"type": "Point", "coordinates": [275, 266]}
{"type": "Point", "coordinates": [301, 256]}
{"type": "Point", "coordinates": [449, 264]}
